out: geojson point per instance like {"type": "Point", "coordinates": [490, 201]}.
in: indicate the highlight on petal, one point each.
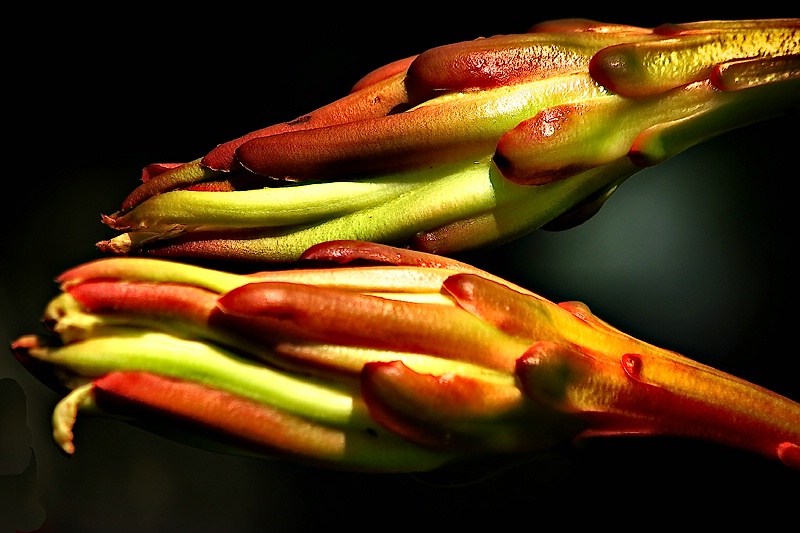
{"type": "Point", "coordinates": [398, 66]}
{"type": "Point", "coordinates": [352, 253]}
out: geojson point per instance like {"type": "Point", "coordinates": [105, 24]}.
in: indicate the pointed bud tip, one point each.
{"type": "Point", "coordinates": [789, 454]}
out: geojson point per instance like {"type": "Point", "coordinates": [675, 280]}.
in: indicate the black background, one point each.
{"type": "Point", "coordinates": [692, 255]}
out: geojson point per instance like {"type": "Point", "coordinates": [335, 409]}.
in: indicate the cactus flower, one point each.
{"type": "Point", "coordinates": [373, 358]}
{"type": "Point", "coordinates": [470, 144]}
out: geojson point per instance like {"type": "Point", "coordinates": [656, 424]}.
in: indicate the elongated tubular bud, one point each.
{"type": "Point", "coordinates": [374, 322]}
{"type": "Point", "coordinates": [116, 286]}
{"type": "Point", "coordinates": [445, 130]}
{"type": "Point", "coordinates": [173, 300]}
{"type": "Point", "coordinates": [505, 60]}
{"type": "Point", "coordinates": [345, 252]}
{"type": "Point", "coordinates": [645, 68]}
{"type": "Point", "coordinates": [135, 349]}
{"type": "Point", "coordinates": [192, 176]}
{"type": "Point", "coordinates": [175, 177]}
{"type": "Point", "coordinates": [527, 317]}
{"type": "Point", "coordinates": [454, 412]}
{"type": "Point", "coordinates": [340, 362]}
{"type": "Point", "coordinates": [419, 277]}
{"type": "Point", "coordinates": [453, 191]}
{"type": "Point", "coordinates": [373, 100]}
{"type": "Point", "coordinates": [180, 310]}
{"type": "Point", "coordinates": [414, 139]}
{"type": "Point", "coordinates": [168, 300]}
{"type": "Point", "coordinates": [252, 426]}
{"type": "Point", "coordinates": [154, 170]}
{"type": "Point", "coordinates": [388, 70]}
{"type": "Point", "coordinates": [264, 207]}
{"type": "Point", "coordinates": [521, 314]}
{"type": "Point", "coordinates": [765, 422]}
{"type": "Point", "coordinates": [585, 25]}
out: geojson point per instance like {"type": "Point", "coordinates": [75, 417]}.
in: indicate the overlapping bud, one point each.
{"type": "Point", "coordinates": [374, 358]}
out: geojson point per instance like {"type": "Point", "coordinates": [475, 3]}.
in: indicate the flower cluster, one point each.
{"type": "Point", "coordinates": [469, 144]}
{"type": "Point", "coordinates": [374, 358]}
